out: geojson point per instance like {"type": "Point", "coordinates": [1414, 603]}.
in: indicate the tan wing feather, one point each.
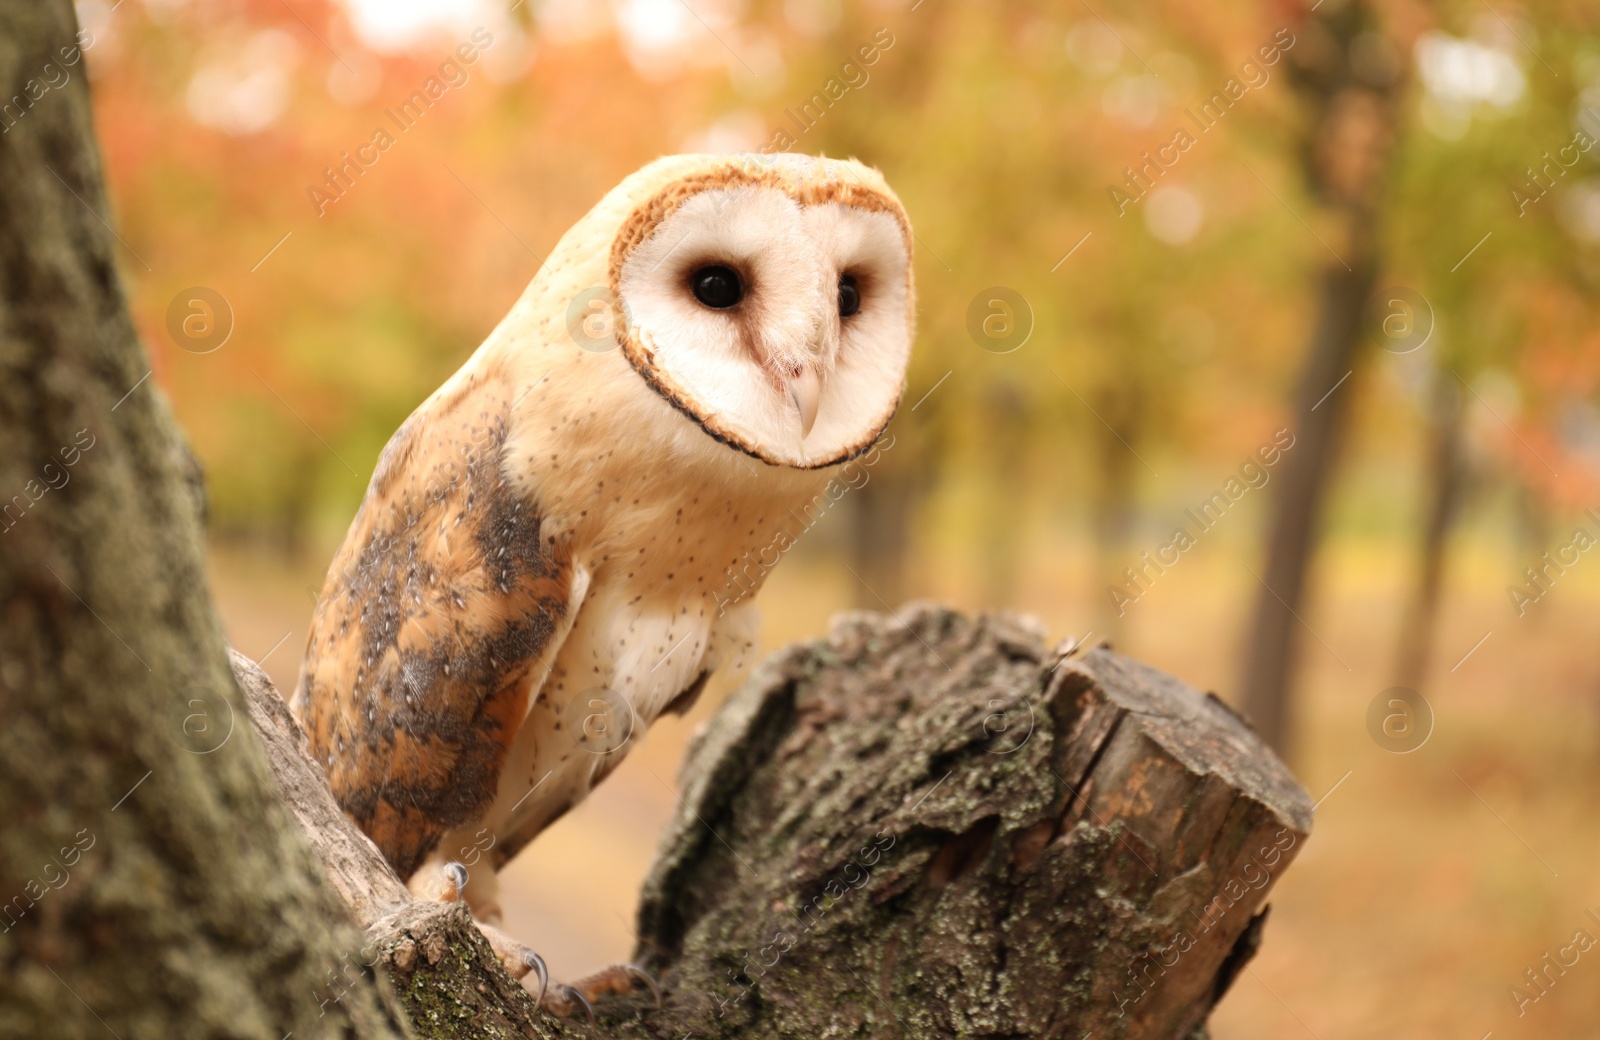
{"type": "Point", "coordinates": [439, 605]}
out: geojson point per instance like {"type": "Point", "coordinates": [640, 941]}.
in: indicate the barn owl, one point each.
{"type": "Point", "coordinates": [544, 561]}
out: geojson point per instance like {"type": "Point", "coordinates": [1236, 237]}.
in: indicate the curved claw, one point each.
{"type": "Point", "coordinates": [574, 994]}
{"type": "Point", "coordinates": [642, 976]}
{"type": "Point", "coordinates": [455, 875]}
{"type": "Point", "coordinates": [536, 963]}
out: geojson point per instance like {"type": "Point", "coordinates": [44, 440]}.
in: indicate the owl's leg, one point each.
{"type": "Point", "coordinates": [620, 979]}
{"type": "Point", "coordinates": [452, 882]}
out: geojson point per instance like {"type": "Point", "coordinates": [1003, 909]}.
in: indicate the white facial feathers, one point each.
{"type": "Point", "coordinates": [779, 371]}
{"type": "Point", "coordinates": [717, 354]}
{"type": "Point", "coordinates": [873, 346]}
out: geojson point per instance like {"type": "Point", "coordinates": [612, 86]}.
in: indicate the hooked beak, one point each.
{"type": "Point", "coordinates": [805, 391]}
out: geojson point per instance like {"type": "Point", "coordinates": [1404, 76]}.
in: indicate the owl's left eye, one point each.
{"type": "Point", "coordinates": [849, 296]}
{"type": "Point", "coordinates": [716, 286]}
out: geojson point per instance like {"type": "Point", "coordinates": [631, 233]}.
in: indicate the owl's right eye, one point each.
{"type": "Point", "coordinates": [849, 296]}
{"type": "Point", "coordinates": [716, 286]}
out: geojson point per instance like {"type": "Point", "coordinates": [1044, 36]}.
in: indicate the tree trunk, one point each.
{"type": "Point", "coordinates": [935, 828]}
{"type": "Point", "coordinates": [881, 514]}
{"type": "Point", "coordinates": [1002, 502]}
{"type": "Point", "coordinates": [1447, 479]}
{"type": "Point", "coordinates": [153, 884]}
{"type": "Point", "coordinates": [1341, 68]}
{"type": "Point", "coordinates": [941, 828]}
{"type": "Point", "coordinates": [1119, 415]}
{"type": "Point", "coordinates": [1302, 485]}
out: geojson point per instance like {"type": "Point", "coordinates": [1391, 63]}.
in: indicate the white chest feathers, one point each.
{"type": "Point", "coordinates": [627, 659]}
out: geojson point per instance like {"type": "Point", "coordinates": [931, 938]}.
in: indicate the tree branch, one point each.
{"type": "Point", "coordinates": [922, 828]}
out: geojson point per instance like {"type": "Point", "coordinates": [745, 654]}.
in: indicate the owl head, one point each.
{"type": "Point", "coordinates": [767, 298]}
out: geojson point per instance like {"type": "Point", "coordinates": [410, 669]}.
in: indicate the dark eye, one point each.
{"type": "Point", "coordinates": [716, 286]}
{"type": "Point", "coordinates": [849, 296]}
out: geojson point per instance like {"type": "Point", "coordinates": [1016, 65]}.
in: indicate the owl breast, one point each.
{"type": "Point", "coordinates": [654, 623]}
{"type": "Point", "coordinates": [670, 534]}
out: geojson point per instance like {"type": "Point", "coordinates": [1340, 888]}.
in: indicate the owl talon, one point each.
{"type": "Point", "coordinates": [573, 993]}
{"type": "Point", "coordinates": [562, 1005]}
{"type": "Point", "coordinates": [536, 964]}
{"type": "Point", "coordinates": [643, 977]}
{"type": "Point", "coordinates": [517, 959]}
{"type": "Point", "coordinates": [455, 880]}
{"type": "Point", "coordinates": [561, 999]}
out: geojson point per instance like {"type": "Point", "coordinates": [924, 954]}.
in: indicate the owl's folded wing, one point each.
{"type": "Point", "coordinates": [444, 606]}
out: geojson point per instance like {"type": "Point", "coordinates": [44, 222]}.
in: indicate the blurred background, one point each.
{"type": "Point", "coordinates": [1160, 244]}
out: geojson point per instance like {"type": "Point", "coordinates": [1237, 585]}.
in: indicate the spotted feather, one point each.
{"type": "Point", "coordinates": [441, 604]}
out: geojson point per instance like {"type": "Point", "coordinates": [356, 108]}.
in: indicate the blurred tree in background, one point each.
{"type": "Point", "coordinates": [1172, 308]}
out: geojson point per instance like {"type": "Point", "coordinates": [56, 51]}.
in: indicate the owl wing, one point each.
{"type": "Point", "coordinates": [441, 610]}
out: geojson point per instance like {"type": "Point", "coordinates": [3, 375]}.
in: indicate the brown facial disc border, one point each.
{"type": "Point", "coordinates": [811, 191]}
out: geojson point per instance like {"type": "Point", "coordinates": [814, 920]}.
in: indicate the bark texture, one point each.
{"type": "Point", "coordinates": [448, 977]}
{"type": "Point", "coordinates": [357, 870]}
{"type": "Point", "coordinates": [915, 827]}
{"type": "Point", "coordinates": [153, 884]}
{"type": "Point", "coordinates": [941, 828]}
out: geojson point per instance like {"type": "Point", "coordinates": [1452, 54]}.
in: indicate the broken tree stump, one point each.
{"type": "Point", "coordinates": [932, 826]}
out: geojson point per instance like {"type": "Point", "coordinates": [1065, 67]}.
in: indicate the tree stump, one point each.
{"type": "Point", "coordinates": [920, 826]}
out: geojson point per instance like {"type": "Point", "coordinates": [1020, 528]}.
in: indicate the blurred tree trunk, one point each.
{"type": "Point", "coordinates": [1118, 418]}
{"type": "Point", "coordinates": [1535, 527]}
{"type": "Point", "coordinates": [1447, 478]}
{"type": "Point", "coordinates": [1004, 499]}
{"type": "Point", "coordinates": [1347, 74]}
{"type": "Point", "coordinates": [880, 530]}
{"type": "Point", "coordinates": [154, 885]}
{"type": "Point", "coordinates": [297, 505]}
{"type": "Point", "coordinates": [882, 512]}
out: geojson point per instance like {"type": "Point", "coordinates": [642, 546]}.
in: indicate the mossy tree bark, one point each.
{"type": "Point", "coordinates": [152, 883]}
{"type": "Point", "coordinates": [912, 828]}
{"type": "Point", "coordinates": [937, 827]}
